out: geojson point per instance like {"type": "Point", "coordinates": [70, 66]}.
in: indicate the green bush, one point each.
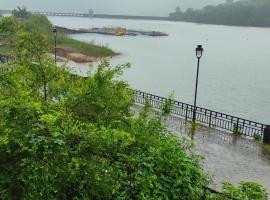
{"type": "Point", "coordinates": [258, 137]}
{"type": "Point", "coordinates": [39, 24]}
{"type": "Point", "coordinates": [21, 12]}
{"type": "Point", "coordinates": [49, 154]}
{"type": "Point", "coordinates": [245, 191]}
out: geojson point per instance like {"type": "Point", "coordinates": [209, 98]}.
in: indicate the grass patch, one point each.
{"type": "Point", "coordinates": [266, 147]}
{"type": "Point", "coordinates": [88, 49]}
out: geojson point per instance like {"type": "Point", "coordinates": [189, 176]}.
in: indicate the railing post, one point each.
{"type": "Point", "coordinates": [237, 128]}
{"type": "Point", "coordinates": [266, 135]}
{"type": "Point", "coordinates": [210, 118]}
{"type": "Point", "coordinates": [243, 128]}
{"type": "Point", "coordinates": [186, 112]}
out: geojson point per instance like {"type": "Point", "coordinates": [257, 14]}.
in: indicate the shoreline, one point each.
{"type": "Point", "coordinates": [67, 54]}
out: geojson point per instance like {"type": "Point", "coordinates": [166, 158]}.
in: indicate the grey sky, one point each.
{"type": "Point", "coordinates": [131, 7]}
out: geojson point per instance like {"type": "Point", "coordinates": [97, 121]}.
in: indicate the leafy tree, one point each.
{"type": "Point", "coordinates": [8, 28]}
{"type": "Point", "coordinates": [100, 98]}
{"type": "Point", "coordinates": [31, 51]}
{"type": "Point", "coordinates": [21, 12]}
{"type": "Point", "coordinates": [38, 23]}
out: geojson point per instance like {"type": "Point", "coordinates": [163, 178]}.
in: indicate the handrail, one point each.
{"type": "Point", "coordinates": [204, 116]}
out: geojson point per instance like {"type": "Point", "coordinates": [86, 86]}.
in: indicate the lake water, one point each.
{"type": "Point", "coordinates": [234, 71]}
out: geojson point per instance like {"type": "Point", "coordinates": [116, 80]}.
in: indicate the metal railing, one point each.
{"type": "Point", "coordinates": [4, 58]}
{"type": "Point", "coordinates": [204, 116]}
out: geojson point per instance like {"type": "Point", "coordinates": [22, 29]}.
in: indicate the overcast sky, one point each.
{"type": "Point", "coordinates": [131, 7]}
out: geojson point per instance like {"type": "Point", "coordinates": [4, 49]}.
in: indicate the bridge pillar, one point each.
{"type": "Point", "coordinates": [266, 135]}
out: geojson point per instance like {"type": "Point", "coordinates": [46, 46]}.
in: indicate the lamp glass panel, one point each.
{"type": "Point", "coordinates": [199, 53]}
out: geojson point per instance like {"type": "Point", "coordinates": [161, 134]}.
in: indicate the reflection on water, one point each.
{"type": "Point", "coordinates": [228, 157]}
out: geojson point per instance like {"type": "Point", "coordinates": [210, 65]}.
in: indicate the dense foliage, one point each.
{"type": "Point", "coordinates": [21, 12]}
{"type": "Point", "coordinates": [68, 137]}
{"type": "Point", "coordinates": [9, 26]}
{"type": "Point", "coordinates": [245, 191]}
{"type": "Point", "coordinates": [8, 29]}
{"type": "Point", "coordinates": [240, 13]}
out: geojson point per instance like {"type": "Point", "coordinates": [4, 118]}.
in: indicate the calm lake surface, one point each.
{"type": "Point", "coordinates": [234, 70]}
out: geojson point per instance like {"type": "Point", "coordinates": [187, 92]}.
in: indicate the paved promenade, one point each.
{"type": "Point", "coordinates": [228, 157]}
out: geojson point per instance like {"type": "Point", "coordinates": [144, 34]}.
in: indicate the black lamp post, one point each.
{"type": "Point", "coordinates": [199, 52]}
{"type": "Point", "coordinates": [55, 36]}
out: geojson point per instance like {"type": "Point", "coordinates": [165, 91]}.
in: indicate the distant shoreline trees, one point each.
{"type": "Point", "coordinates": [21, 12]}
{"type": "Point", "coordinates": [239, 13]}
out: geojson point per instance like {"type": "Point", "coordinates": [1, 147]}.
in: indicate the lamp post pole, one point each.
{"type": "Point", "coordinates": [55, 37]}
{"type": "Point", "coordinates": [199, 51]}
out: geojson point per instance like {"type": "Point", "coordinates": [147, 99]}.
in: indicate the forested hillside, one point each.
{"type": "Point", "coordinates": [239, 13]}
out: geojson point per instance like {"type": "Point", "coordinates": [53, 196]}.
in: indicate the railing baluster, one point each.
{"type": "Point", "coordinates": [237, 126]}
{"type": "Point", "coordinates": [210, 119]}
{"type": "Point", "coordinates": [204, 116]}
{"type": "Point", "coordinates": [186, 112]}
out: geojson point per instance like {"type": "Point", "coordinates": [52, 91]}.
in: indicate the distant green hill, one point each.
{"type": "Point", "coordinates": [240, 13]}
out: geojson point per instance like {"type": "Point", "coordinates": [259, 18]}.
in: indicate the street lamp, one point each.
{"type": "Point", "coordinates": [55, 36]}
{"type": "Point", "coordinates": [199, 52]}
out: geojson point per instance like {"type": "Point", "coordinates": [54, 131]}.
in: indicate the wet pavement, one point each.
{"type": "Point", "coordinates": [227, 157]}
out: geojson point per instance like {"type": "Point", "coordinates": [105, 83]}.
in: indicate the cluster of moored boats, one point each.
{"type": "Point", "coordinates": [124, 31]}
{"type": "Point", "coordinates": [114, 31]}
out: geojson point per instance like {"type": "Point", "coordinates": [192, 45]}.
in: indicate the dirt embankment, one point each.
{"type": "Point", "coordinates": [73, 55]}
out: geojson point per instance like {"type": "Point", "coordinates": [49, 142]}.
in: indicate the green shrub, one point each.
{"type": "Point", "coordinates": [245, 191]}
{"type": "Point", "coordinates": [39, 24]}
{"type": "Point", "coordinates": [258, 137]}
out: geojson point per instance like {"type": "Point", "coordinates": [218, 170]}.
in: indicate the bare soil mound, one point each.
{"type": "Point", "coordinates": [71, 54]}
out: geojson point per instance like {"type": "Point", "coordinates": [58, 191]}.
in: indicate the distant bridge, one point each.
{"type": "Point", "coordinates": [3, 12]}
{"type": "Point", "coordinates": [64, 14]}
{"type": "Point", "coordinates": [90, 14]}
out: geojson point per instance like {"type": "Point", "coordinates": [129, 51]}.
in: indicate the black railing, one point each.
{"type": "Point", "coordinates": [4, 58]}
{"type": "Point", "coordinates": [204, 116]}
